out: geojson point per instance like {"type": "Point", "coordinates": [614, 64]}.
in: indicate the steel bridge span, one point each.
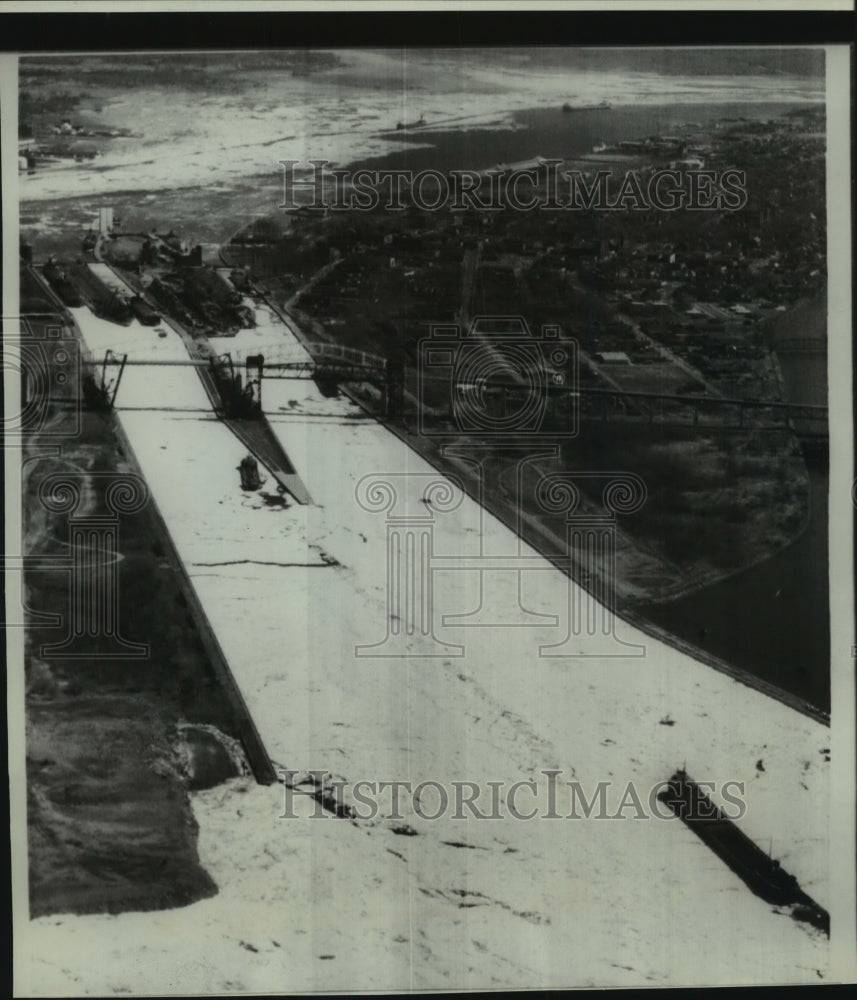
{"type": "Point", "coordinates": [334, 364]}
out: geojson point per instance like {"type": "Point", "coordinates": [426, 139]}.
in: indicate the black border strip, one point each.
{"type": "Point", "coordinates": [135, 31]}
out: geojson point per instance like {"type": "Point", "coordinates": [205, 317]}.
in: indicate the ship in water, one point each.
{"type": "Point", "coordinates": [143, 312]}
{"type": "Point", "coordinates": [250, 477]}
{"type": "Point", "coordinates": [419, 123]}
{"type": "Point", "coordinates": [114, 307]}
{"type": "Point", "coordinates": [603, 106]}
{"type": "Point", "coordinates": [759, 872]}
{"type": "Point", "coordinates": [60, 282]}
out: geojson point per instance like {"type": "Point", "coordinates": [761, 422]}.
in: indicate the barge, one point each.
{"type": "Point", "coordinates": [761, 873]}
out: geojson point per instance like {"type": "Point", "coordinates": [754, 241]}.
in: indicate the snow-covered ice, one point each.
{"type": "Point", "coordinates": [350, 114]}
{"type": "Point", "coordinates": [312, 904]}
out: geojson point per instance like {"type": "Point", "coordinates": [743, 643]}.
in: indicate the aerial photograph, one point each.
{"type": "Point", "coordinates": [424, 461]}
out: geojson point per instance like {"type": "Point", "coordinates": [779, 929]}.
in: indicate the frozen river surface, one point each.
{"type": "Point", "coordinates": [394, 904]}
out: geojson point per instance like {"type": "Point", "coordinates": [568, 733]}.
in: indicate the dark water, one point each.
{"type": "Point", "coordinates": [772, 620]}
{"type": "Point", "coordinates": [550, 132]}
{"type": "Point", "coordinates": [805, 376]}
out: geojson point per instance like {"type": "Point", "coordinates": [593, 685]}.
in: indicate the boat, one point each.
{"type": "Point", "coordinates": [60, 282]}
{"type": "Point", "coordinates": [26, 161]}
{"type": "Point", "coordinates": [406, 125]}
{"type": "Point", "coordinates": [114, 307]}
{"type": "Point", "coordinates": [144, 313]}
{"type": "Point", "coordinates": [761, 873]}
{"type": "Point", "coordinates": [250, 478]}
{"type": "Point", "coordinates": [603, 106]}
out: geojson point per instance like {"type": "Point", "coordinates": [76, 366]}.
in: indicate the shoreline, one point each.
{"type": "Point", "coordinates": [731, 574]}
{"type": "Point", "coordinates": [628, 121]}
{"type": "Point", "coordinates": [533, 125]}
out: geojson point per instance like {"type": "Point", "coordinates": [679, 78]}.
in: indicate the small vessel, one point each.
{"type": "Point", "coordinates": [144, 313]}
{"type": "Point", "coordinates": [59, 280]}
{"type": "Point", "coordinates": [406, 125]}
{"type": "Point", "coordinates": [603, 106]}
{"type": "Point", "coordinates": [761, 873]}
{"type": "Point", "coordinates": [249, 469]}
{"type": "Point", "coordinates": [114, 307]}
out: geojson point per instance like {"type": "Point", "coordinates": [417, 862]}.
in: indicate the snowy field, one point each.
{"type": "Point", "coordinates": [348, 114]}
{"type": "Point", "coordinates": [324, 904]}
